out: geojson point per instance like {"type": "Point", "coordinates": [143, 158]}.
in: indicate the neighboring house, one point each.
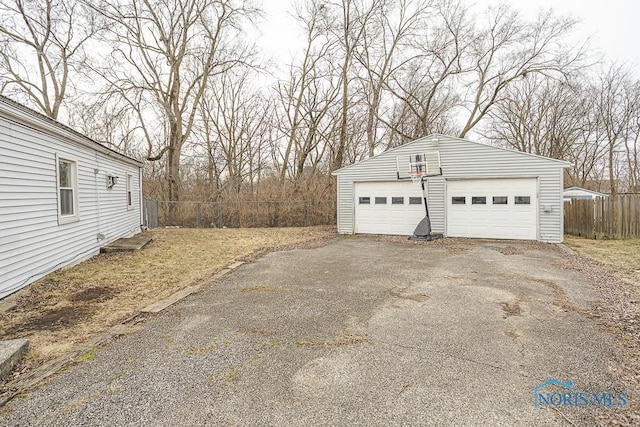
{"type": "Point", "coordinates": [484, 192]}
{"type": "Point", "coordinates": [62, 196]}
{"type": "Point", "coordinates": [581, 193]}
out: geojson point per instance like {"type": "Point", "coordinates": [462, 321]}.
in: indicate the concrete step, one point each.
{"type": "Point", "coordinates": [129, 244]}
{"type": "Point", "coordinates": [11, 352]}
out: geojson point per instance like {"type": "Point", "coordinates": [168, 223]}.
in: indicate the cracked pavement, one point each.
{"type": "Point", "coordinates": [362, 331]}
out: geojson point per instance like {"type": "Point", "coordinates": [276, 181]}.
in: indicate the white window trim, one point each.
{"type": "Point", "coordinates": [66, 219]}
{"type": "Point", "coordinates": [129, 184]}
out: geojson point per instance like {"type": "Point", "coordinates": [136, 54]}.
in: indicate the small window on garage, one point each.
{"type": "Point", "coordinates": [523, 200]}
{"type": "Point", "coordinates": [415, 200]}
{"type": "Point", "coordinates": [364, 200]}
{"type": "Point", "coordinates": [397, 200]}
{"type": "Point", "coordinates": [456, 200]}
{"type": "Point", "coordinates": [478, 200]}
{"type": "Point", "coordinates": [381, 200]}
{"type": "Point", "coordinates": [499, 200]}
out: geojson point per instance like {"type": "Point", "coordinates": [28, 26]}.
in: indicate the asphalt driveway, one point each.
{"type": "Point", "coordinates": [358, 332]}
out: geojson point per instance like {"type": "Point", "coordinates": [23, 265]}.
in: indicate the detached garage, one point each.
{"type": "Point", "coordinates": [469, 190]}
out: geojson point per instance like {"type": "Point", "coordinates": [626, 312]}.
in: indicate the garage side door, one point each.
{"type": "Point", "coordinates": [394, 207]}
{"type": "Point", "coordinates": [492, 208]}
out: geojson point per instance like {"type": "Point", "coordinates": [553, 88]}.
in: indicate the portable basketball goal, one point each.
{"type": "Point", "coordinates": [419, 168]}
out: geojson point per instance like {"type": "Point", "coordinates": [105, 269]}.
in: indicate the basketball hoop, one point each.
{"type": "Point", "coordinates": [416, 176]}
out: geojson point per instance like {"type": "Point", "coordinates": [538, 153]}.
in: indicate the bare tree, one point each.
{"type": "Point", "coordinates": [299, 96]}
{"type": "Point", "coordinates": [350, 19]}
{"type": "Point", "coordinates": [425, 85]}
{"type": "Point", "coordinates": [508, 48]}
{"type": "Point", "coordinates": [391, 29]}
{"type": "Point", "coordinates": [42, 45]}
{"type": "Point", "coordinates": [236, 119]}
{"type": "Point", "coordinates": [616, 109]}
{"type": "Point", "coordinates": [164, 54]}
{"type": "Point", "coordinates": [110, 123]}
{"type": "Point", "coordinates": [540, 115]}
{"type": "Point", "coordinates": [631, 138]}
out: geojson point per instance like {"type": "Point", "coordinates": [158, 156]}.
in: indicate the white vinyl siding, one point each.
{"type": "Point", "coordinates": [32, 240]}
{"type": "Point", "coordinates": [460, 159]}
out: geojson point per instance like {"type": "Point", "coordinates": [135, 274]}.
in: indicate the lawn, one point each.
{"type": "Point", "coordinates": [74, 305]}
{"type": "Point", "coordinates": [621, 256]}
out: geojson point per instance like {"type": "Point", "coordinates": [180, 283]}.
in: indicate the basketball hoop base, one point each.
{"type": "Point", "coordinates": [423, 231]}
{"type": "Point", "coordinates": [427, 238]}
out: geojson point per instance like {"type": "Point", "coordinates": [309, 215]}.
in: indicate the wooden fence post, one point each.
{"type": "Point", "coordinates": [615, 217]}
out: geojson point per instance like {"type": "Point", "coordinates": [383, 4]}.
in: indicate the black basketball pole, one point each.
{"type": "Point", "coordinates": [424, 196]}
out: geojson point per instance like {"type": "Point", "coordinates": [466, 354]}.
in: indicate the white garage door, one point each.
{"type": "Point", "coordinates": [492, 208]}
{"type": "Point", "coordinates": [388, 207]}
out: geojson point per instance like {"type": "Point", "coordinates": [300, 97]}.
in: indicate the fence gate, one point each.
{"type": "Point", "coordinates": [150, 213]}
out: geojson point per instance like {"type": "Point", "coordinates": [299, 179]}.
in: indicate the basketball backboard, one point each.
{"type": "Point", "coordinates": [417, 165]}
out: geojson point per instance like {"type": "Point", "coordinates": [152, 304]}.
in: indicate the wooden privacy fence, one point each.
{"type": "Point", "coordinates": [609, 218]}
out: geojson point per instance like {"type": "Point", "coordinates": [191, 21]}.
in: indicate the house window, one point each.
{"type": "Point", "coordinates": [499, 200]}
{"type": "Point", "coordinates": [381, 200]}
{"type": "Point", "coordinates": [523, 200]}
{"type": "Point", "coordinates": [478, 200]}
{"type": "Point", "coordinates": [397, 200]}
{"type": "Point", "coordinates": [458, 200]}
{"type": "Point", "coordinates": [364, 200]}
{"type": "Point", "coordinates": [129, 192]}
{"type": "Point", "coordinates": [67, 185]}
{"type": "Point", "coordinates": [415, 200]}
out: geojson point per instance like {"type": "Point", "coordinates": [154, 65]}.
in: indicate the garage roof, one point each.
{"type": "Point", "coordinates": [433, 136]}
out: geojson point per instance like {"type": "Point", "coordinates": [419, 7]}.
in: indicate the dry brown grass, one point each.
{"type": "Point", "coordinates": [621, 256]}
{"type": "Point", "coordinates": [73, 305]}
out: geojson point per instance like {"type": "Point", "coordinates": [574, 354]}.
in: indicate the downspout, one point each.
{"type": "Point", "coordinates": [140, 200]}
{"type": "Point", "coordinates": [96, 172]}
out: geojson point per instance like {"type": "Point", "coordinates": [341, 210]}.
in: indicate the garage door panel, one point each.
{"type": "Point", "coordinates": [388, 218]}
{"type": "Point", "coordinates": [497, 221]}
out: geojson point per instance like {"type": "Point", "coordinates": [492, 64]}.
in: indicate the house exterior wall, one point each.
{"type": "Point", "coordinates": [581, 193]}
{"type": "Point", "coordinates": [461, 159]}
{"type": "Point", "coordinates": [32, 241]}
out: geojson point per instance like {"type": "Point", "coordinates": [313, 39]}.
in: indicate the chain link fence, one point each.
{"type": "Point", "coordinates": [269, 213]}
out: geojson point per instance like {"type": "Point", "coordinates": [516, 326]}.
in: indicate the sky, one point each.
{"type": "Point", "coordinates": [611, 25]}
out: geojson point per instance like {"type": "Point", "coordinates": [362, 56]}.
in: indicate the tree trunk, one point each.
{"type": "Point", "coordinates": [338, 158]}
{"type": "Point", "coordinates": [173, 178]}
{"type": "Point", "coordinates": [371, 125]}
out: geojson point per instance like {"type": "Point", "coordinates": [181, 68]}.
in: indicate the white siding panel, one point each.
{"type": "Point", "coordinates": [345, 208]}
{"type": "Point", "coordinates": [436, 199]}
{"type": "Point", "coordinates": [461, 159]}
{"type": "Point", "coordinates": [32, 243]}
